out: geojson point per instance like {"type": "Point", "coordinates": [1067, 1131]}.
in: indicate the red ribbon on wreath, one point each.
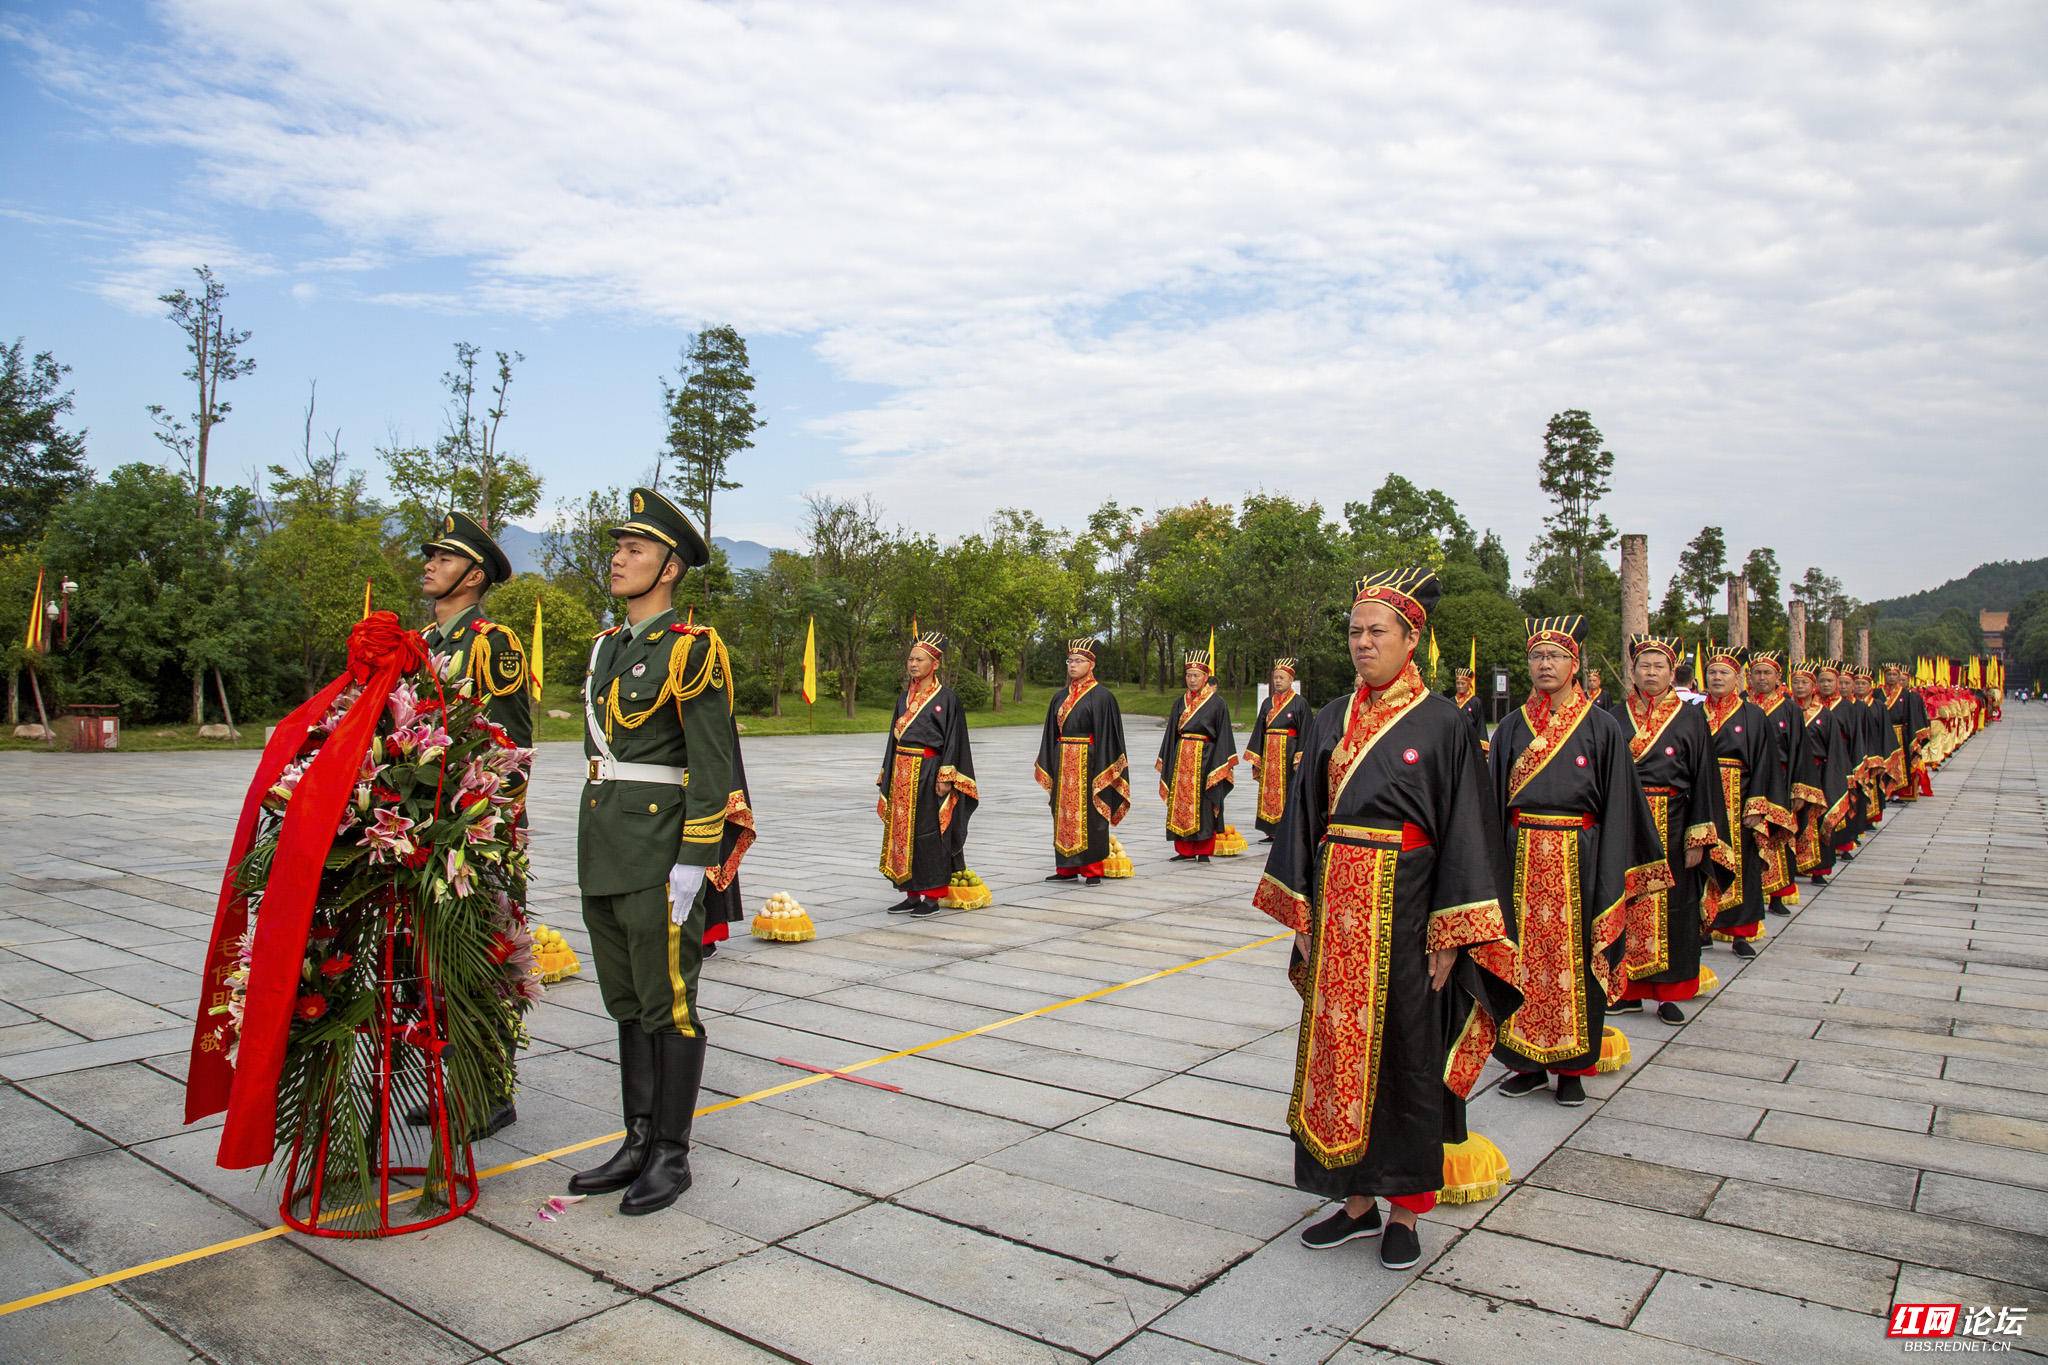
{"type": "Point", "coordinates": [380, 652]}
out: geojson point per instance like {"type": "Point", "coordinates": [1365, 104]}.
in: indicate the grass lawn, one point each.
{"type": "Point", "coordinates": [828, 717]}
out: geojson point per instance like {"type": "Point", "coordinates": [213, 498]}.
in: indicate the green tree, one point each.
{"type": "Point", "coordinates": [467, 466]}
{"type": "Point", "coordinates": [1575, 473]}
{"type": "Point", "coordinates": [161, 601]}
{"type": "Point", "coordinates": [1702, 569]}
{"type": "Point", "coordinates": [1296, 557]}
{"type": "Point", "coordinates": [576, 549]}
{"type": "Point", "coordinates": [773, 610]}
{"type": "Point", "coordinates": [216, 351]}
{"type": "Point", "coordinates": [1767, 621]}
{"type": "Point", "coordinates": [1492, 556]}
{"type": "Point", "coordinates": [41, 463]}
{"type": "Point", "coordinates": [711, 417]}
{"type": "Point", "coordinates": [851, 557]}
{"type": "Point", "coordinates": [1112, 599]}
{"type": "Point", "coordinates": [571, 627]}
{"type": "Point", "coordinates": [1187, 587]}
{"type": "Point", "coordinates": [319, 563]}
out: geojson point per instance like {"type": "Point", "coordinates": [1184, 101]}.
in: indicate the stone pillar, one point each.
{"type": "Point", "coordinates": [1635, 586]}
{"type": "Point", "coordinates": [1738, 610]}
{"type": "Point", "coordinates": [1835, 639]}
{"type": "Point", "coordinates": [1795, 635]}
{"type": "Point", "coordinates": [1863, 646]}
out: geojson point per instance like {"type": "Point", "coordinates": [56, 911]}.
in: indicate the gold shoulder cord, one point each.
{"type": "Point", "coordinates": [683, 683]}
{"type": "Point", "coordinates": [480, 671]}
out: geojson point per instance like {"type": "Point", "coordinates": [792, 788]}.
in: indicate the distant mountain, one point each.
{"type": "Point", "coordinates": [523, 548]}
{"type": "Point", "coordinates": [1998, 586]}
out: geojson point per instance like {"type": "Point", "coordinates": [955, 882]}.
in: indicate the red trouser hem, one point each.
{"type": "Point", "coordinates": [718, 933]}
{"type": "Point", "coordinates": [936, 893]}
{"type": "Point", "coordinates": [1414, 1203]}
{"type": "Point", "coordinates": [1741, 931]}
{"type": "Point", "coordinates": [1194, 848]}
{"type": "Point", "coordinates": [1661, 990]}
{"type": "Point", "coordinates": [1567, 1071]}
{"type": "Point", "coordinates": [1084, 870]}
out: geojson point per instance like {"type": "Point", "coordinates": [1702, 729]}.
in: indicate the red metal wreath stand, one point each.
{"type": "Point", "coordinates": [406, 1022]}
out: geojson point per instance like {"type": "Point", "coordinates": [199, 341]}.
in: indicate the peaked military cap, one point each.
{"type": "Point", "coordinates": [1411, 590]}
{"type": "Point", "coordinates": [650, 514]}
{"type": "Point", "coordinates": [1566, 632]}
{"type": "Point", "coordinates": [463, 535]}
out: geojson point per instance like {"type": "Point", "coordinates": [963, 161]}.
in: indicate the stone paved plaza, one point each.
{"type": "Point", "coordinates": [1858, 1116]}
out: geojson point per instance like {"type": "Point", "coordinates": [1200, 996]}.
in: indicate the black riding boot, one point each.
{"type": "Point", "coordinates": [636, 1087]}
{"type": "Point", "coordinates": [680, 1062]}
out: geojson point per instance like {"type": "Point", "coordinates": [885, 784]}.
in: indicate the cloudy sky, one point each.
{"type": "Point", "coordinates": [1789, 256]}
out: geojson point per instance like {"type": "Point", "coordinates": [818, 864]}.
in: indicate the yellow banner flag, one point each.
{"type": "Point", "coordinates": [1212, 650]}
{"type": "Point", "coordinates": [533, 653]}
{"type": "Point", "coordinates": [810, 687]}
{"type": "Point", "coordinates": [1473, 665]}
{"type": "Point", "coordinates": [366, 599]}
{"type": "Point", "coordinates": [1434, 657]}
{"type": "Point", "coordinates": [34, 640]}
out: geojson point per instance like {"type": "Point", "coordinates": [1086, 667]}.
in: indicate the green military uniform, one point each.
{"type": "Point", "coordinates": [664, 790]}
{"type": "Point", "coordinates": [661, 693]}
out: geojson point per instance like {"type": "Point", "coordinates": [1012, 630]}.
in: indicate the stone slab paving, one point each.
{"type": "Point", "coordinates": [1858, 1116]}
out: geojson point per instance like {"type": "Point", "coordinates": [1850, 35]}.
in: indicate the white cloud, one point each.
{"type": "Point", "coordinates": [1168, 250]}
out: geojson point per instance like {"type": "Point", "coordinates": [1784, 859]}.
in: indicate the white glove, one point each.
{"type": "Point", "coordinates": [683, 883]}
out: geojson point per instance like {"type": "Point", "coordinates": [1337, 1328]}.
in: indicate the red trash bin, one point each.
{"type": "Point", "coordinates": [93, 727]}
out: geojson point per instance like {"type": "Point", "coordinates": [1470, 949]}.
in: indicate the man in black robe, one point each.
{"type": "Point", "coordinates": [1197, 756]}
{"type": "Point", "coordinates": [1275, 746]}
{"type": "Point", "coordinates": [1906, 712]}
{"type": "Point", "coordinates": [926, 783]}
{"type": "Point", "coordinates": [1853, 717]}
{"type": "Point", "coordinates": [1823, 779]}
{"type": "Point", "coordinates": [1755, 796]}
{"type": "Point", "coordinates": [1879, 746]}
{"type": "Point", "coordinates": [1787, 727]}
{"type": "Point", "coordinates": [1465, 696]}
{"type": "Point", "coordinates": [1580, 847]}
{"type": "Point", "coordinates": [1385, 869]}
{"type": "Point", "coordinates": [1083, 766]}
{"type": "Point", "coordinates": [1596, 693]}
{"type": "Point", "coordinates": [1674, 762]}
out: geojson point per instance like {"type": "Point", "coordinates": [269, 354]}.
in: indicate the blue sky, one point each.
{"type": "Point", "coordinates": [1149, 253]}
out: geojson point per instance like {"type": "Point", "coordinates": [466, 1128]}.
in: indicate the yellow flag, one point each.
{"type": "Point", "coordinates": [1212, 650]}
{"type": "Point", "coordinates": [533, 654]}
{"type": "Point", "coordinates": [1434, 657]}
{"type": "Point", "coordinates": [1473, 666]}
{"type": "Point", "coordinates": [810, 688]}
{"type": "Point", "coordinates": [34, 639]}
{"type": "Point", "coordinates": [366, 599]}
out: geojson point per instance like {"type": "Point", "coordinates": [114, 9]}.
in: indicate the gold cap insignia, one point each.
{"type": "Point", "coordinates": [639, 504]}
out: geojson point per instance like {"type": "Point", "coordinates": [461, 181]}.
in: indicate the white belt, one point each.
{"type": "Point", "coordinates": [605, 768]}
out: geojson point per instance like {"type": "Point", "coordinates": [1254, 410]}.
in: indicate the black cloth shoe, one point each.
{"type": "Point", "coordinates": [1339, 1228]}
{"type": "Point", "coordinates": [1091, 881]}
{"type": "Point", "coordinates": [679, 1067]}
{"type": "Point", "coordinates": [636, 1093]}
{"type": "Point", "coordinates": [1400, 1248]}
{"type": "Point", "coordinates": [1818, 880]}
{"type": "Point", "coordinates": [1201, 857]}
{"type": "Point", "coordinates": [1778, 908]}
{"type": "Point", "coordinates": [1056, 877]}
{"type": "Point", "coordinates": [1670, 1013]}
{"type": "Point", "coordinates": [1524, 1083]}
{"type": "Point", "coordinates": [1181, 858]}
{"type": "Point", "coordinates": [710, 950]}
{"type": "Point", "coordinates": [1741, 948]}
{"type": "Point", "coordinates": [1571, 1093]}
{"type": "Point", "coordinates": [910, 903]}
{"type": "Point", "coordinates": [925, 906]}
{"type": "Point", "coordinates": [1626, 1007]}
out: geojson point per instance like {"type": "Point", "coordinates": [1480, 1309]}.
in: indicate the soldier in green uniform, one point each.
{"type": "Point", "coordinates": [461, 564]}
{"type": "Point", "coordinates": [663, 822]}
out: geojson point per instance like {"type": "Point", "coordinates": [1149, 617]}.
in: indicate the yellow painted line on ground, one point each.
{"type": "Point", "coordinates": [237, 1243]}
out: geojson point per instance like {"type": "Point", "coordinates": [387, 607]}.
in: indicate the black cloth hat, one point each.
{"type": "Point", "coordinates": [462, 534]}
{"type": "Point", "coordinates": [653, 516]}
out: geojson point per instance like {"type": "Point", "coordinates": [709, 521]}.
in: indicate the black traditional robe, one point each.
{"type": "Point", "coordinates": [924, 833]}
{"type": "Point", "coordinates": [1907, 714]}
{"type": "Point", "coordinates": [1753, 787]}
{"type": "Point", "coordinates": [1274, 749]}
{"type": "Point", "coordinates": [1823, 783]}
{"type": "Point", "coordinates": [1388, 850]}
{"type": "Point", "coordinates": [1879, 749]}
{"type": "Point", "coordinates": [1199, 754]}
{"type": "Point", "coordinates": [1580, 846]}
{"type": "Point", "coordinates": [1474, 711]}
{"type": "Point", "coordinates": [1787, 728]}
{"type": "Point", "coordinates": [1674, 761]}
{"type": "Point", "coordinates": [1085, 770]}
